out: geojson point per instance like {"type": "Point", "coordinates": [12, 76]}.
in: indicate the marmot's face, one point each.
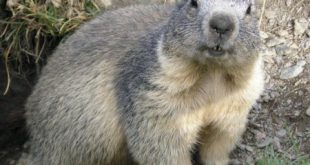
{"type": "Point", "coordinates": [223, 31]}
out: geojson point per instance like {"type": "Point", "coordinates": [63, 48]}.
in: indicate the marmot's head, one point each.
{"type": "Point", "coordinates": [224, 32]}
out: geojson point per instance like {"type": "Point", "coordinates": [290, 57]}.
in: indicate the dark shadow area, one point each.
{"type": "Point", "coordinates": [13, 133]}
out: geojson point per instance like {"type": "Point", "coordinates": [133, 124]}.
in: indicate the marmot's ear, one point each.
{"type": "Point", "coordinates": [194, 3]}
{"type": "Point", "coordinates": [251, 8]}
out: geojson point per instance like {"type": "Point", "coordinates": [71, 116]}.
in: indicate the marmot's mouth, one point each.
{"type": "Point", "coordinates": [216, 51]}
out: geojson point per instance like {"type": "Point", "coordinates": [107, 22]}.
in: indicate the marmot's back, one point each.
{"type": "Point", "coordinates": [74, 97]}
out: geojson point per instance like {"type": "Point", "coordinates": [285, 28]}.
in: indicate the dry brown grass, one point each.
{"type": "Point", "coordinates": [35, 24]}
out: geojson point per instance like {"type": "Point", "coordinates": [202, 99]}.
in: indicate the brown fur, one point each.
{"type": "Point", "coordinates": [127, 89]}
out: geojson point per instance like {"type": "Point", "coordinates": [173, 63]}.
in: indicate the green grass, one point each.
{"type": "Point", "coordinates": [269, 156]}
{"type": "Point", "coordinates": [36, 26]}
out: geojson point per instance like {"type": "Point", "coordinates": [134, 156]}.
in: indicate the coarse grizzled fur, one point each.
{"type": "Point", "coordinates": [145, 84]}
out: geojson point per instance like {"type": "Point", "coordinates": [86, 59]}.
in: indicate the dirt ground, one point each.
{"type": "Point", "coordinates": [281, 121]}
{"type": "Point", "coordinates": [279, 124]}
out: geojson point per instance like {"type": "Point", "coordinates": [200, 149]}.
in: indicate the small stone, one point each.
{"type": "Point", "coordinates": [271, 14]}
{"type": "Point", "coordinates": [283, 33]}
{"type": "Point", "coordinates": [301, 63]}
{"type": "Point", "coordinates": [264, 35]}
{"type": "Point", "coordinates": [289, 2]}
{"type": "Point", "coordinates": [235, 162]}
{"type": "Point", "coordinates": [249, 148]}
{"type": "Point", "coordinates": [278, 60]}
{"type": "Point", "coordinates": [308, 111]}
{"type": "Point", "coordinates": [308, 32]}
{"type": "Point", "coordinates": [282, 49]}
{"type": "Point", "coordinates": [249, 160]}
{"type": "Point", "coordinates": [259, 136]}
{"type": "Point", "coordinates": [299, 134]}
{"type": "Point", "coordinates": [294, 46]}
{"type": "Point", "coordinates": [257, 107]}
{"type": "Point", "coordinates": [241, 146]}
{"type": "Point", "coordinates": [276, 144]}
{"type": "Point", "coordinates": [269, 52]}
{"type": "Point", "coordinates": [267, 78]}
{"type": "Point", "coordinates": [272, 22]}
{"type": "Point", "coordinates": [56, 3]}
{"type": "Point", "coordinates": [293, 71]}
{"type": "Point", "coordinates": [274, 94]}
{"type": "Point", "coordinates": [266, 142]}
{"type": "Point", "coordinates": [305, 44]}
{"type": "Point", "coordinates": [104, 3]}
{"type": "Point", "coordinates": [281, 133]}
{"type": "Point", "coordinates": [275, 41]}
{"type": "Point", "coordinates": [289, 101]}
{"type": "Point", "coordinates": [300, 26]}
{"type": "Point", "coordinates": [266, 97]}
{"type": "Point", "coordinates": [301, 93]}
{"type": "Point", "coordinates": [11, 162]}
{"type": "Point", "coordinates": [11, 3]}
{"type": "Point", "coordinates": [297, 113]}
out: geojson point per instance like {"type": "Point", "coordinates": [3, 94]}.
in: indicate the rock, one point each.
{"type": "Point", "coordinates": [293, 71]}
{"type": "Point", "coordinates": [266, 142]}
{"type": "Point", "coordinates": [305, 44]}
{"type": "Point", "coordinates": [300, 26]}
{"type": "Point", "coordinates": [281, 133]}
{"type": "Point", "coordinates": [308, 111]}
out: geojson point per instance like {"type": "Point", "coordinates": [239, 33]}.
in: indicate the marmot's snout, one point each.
{"type": "Point", "coordinates": [221, 26]}
{"type": "Point", "coordinates": [221, 30]}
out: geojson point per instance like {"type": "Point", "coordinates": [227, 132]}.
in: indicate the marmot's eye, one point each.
{"type": "Point", "coordinates": [194, 3]}
{"type": "Point", "coordinates": [249, 10]}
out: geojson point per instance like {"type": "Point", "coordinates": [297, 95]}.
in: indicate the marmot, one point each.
{"type": "Point", "coordinates": [145, 84]}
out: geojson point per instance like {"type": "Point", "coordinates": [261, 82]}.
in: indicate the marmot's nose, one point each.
{"type": "Point", "coordinates": [222, 25]}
